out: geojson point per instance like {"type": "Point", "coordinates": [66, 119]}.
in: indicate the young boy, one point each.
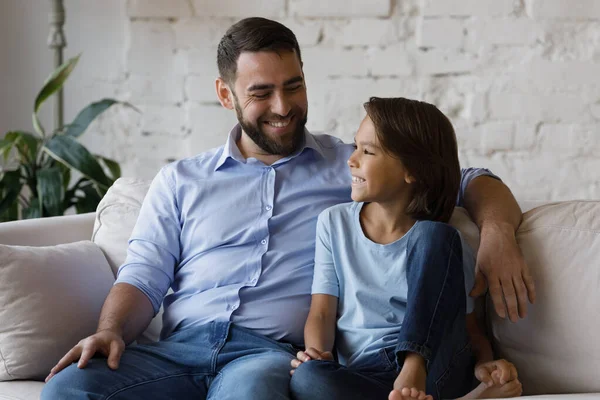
{"type": "Point", "coordinates": [392, 276]}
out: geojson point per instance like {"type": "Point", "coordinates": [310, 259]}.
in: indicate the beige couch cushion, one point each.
{"type": "Point", "coordinates": [556, 348]}
{"type": "Point", "coordinates": [116, 216]}
{"type": "Point", "coordinates": [50, 298]}
{"type": "Point", "coordinates": [20, 390]}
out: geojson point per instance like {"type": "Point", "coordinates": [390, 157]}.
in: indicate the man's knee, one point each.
{"type": "Point", "coordinates": [310, 378]}
{"type": "Point", "coordinates": [70, 383]}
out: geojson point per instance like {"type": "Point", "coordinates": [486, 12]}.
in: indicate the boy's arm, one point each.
{"type": "Point", "coordinates": [319, 331]}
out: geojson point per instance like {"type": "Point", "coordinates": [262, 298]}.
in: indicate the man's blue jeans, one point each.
{"type": "Point", "coordinates": [434, 327]}
{"type": "Point", "coordinates": [214, 361]}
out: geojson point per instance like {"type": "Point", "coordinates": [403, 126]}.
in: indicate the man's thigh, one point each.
{"type": "Point", "coordinates": [262, 376]}
{"type": "Point", "coordinates": [145, 372]}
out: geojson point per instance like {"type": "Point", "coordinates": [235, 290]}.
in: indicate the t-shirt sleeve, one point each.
{"type": "Point", "coordinates": [325, 280]}
{"type": "Point", "coordinates": [469, 272]}
{"type": "Point", "coordinates": [467, 175]}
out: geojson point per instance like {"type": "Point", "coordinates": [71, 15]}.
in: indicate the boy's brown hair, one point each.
{"type": "Point", "coordinates": [423, 138]}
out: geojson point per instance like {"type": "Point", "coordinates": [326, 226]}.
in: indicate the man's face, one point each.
{"type": "Point", "coordinates": [269, 98]}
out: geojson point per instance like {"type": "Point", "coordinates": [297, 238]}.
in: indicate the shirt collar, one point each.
{"type": "Point", "coordinates": [230, 150]}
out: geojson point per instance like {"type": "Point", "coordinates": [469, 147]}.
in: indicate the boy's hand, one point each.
{"type": "Point", "coordinates": [497, 372]}
{"type": "Point", "coordinates": [310, 354]}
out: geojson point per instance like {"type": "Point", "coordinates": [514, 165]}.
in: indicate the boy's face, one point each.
{"type": "Point", "coordinates": [376, 175]}
{"type": "Point", "coordinates": [269, 97]}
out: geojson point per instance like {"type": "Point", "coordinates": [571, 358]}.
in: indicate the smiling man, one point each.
{"type": "Point", "coordinates": [232, 232]}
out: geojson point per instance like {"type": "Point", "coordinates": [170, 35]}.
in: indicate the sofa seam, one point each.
{"type": "Point", "coordinates": [562, 228]}
{"type": "Point", "coordinates": [5, 366]}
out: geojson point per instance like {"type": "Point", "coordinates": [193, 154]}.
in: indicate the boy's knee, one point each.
{"type": "Point", "coordinates": [435, 234]}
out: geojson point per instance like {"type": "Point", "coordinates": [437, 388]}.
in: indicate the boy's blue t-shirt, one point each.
{"type": "Point", "coordinates": [369, 280]}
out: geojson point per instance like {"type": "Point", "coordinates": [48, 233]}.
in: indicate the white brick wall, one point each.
{"type": "Point", "coordinates": [519, 79]}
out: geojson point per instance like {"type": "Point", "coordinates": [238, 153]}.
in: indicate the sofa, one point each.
{"type": "Point", "coordinates": [56, 272]}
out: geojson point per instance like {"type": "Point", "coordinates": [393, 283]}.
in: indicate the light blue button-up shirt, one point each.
{"type": "Point", "coordinates": [235, 238]}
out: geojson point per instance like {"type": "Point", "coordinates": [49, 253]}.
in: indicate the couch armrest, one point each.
{"type": "Point", "coordinates": [48, 231]}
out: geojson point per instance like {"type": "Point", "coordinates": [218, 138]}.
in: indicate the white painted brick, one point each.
{"type": "Point", "coordinates": [582, 9]}
{"type": "Point", "coordinates": [158, 8]}
{"type": "Point", "coordinates": [441, 62]}
{"type": "Point", "coordinates": [200, 32]}
{"type": "Point", "coordinates": [441, 32]}
{"type": "Point", "coordinates": [340, 8]}
{"type": "Point", "coordinates": [209, 126]}
{"type": "Point", "coordinates": [467, 137]}
{"type": "Point", "coordinates": [390, 61]}
{"type": "Point", "coordinates": [200, 88]}
{"type": "Point", "coordinates": [509, 31]}
{"type": "Point", "coordinates": [453, 95]}
{"type": "Point", "coordinates": [240, 8]}
{"type": "Point", "coordinates": [566, 75]}
{"type": "Point", "coordinates": [164, 119]}
{"type": "Point", "coordinates": [360, 32]}
{"type": "Point", "coordinates": [536, 170]}
{"type": "Point", "coordinates": [529, 107]}
{"type": "Point", "coordinates": [320, 61]}
{"type": "Point", "coordinates": [201, 62]}
{"type": "Point", "coordinates": [569, 139]}
{"type": "Point", "coordinates": [497, 163]}
{"type": "Point", "coordinates": [140, 89]}
{"type": "Point", "coordinates": [308, 32]}
{"type": "Point", "coordinates": [407, 7]}
{"type": "Point", "coordinates": [525, 136]}
{"type": "Point", "coordinates": [152, 49]}
{"type": "Point", "coordinates": [497, 136]}
{"type": "Point", "coordinates": [595, 110]}
{"type": "Point", "coordinates": [568, 40]}
{"type": "Point", "coordinates": [441, 8]}
{"type": "Point", "coordinates": [162, 148]}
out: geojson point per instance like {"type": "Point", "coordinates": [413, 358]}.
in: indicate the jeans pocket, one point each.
{"type": "Point", "coordinates": [388, 359]}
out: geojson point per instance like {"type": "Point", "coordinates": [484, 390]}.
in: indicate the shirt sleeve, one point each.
{"type": "Point", "coordinates": [325, 280]}
{"type": "Point", "coordinates": [467, 175]}
{"type": "Point", "coordinates": [469, 272]}
{"type": "Point", "coordinates": [154, 246]}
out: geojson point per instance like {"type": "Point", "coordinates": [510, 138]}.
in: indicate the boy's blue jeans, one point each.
{"type": "Point", "coordinates": [434, 327]}
{"type": "Point", "coordinates": [214, 361]}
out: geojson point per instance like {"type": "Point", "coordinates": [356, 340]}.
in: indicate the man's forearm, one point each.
{"type": "Point", "coordinates": [126, 311]}
{"type": "Point", "coordinates": [492, 205]}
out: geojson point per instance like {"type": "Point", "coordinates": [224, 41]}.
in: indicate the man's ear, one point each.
{"type": "Point", "coordinates": [224, 93]}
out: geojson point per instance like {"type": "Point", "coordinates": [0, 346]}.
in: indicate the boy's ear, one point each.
{"type": "Point", "coordinates": [408, 178]}
{"type": "Point", "coordinates": [224, 93]}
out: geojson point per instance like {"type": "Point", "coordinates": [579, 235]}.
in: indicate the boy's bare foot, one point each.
{"type": "Point", "coordinates": [409, 394]}
{"type": "Point", "coordinates": [410, 383]}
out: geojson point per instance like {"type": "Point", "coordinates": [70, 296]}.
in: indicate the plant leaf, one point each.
{"type": "Point", "coordinates": [51, 190]}
{"type": "Point", "coordinates": [26, 143]}
{"type": "Point", "coordinates": [113, 167]}
{"type": "Point", "coordinates": [68, 151]}
{"type": "Point", "coordinates": [87, 115]}
{"type": "Point", "coordinates": [90, 201]}
{"type": "Point", "coordinates": [54, 82]}
{"type": "Point", "coordinates": [34, 209]}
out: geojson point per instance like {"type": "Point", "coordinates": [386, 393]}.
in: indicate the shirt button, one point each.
{"type": "Point", "coordinates": [268, 208]}
{"type": "Point", "coordinates": [264, 241]}
{"type": "Point", "coordinates": [253, 281]}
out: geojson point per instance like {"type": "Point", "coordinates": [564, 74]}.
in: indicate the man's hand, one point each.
{"type": "Point", "coordinates": [107, 343]}
{"type": "Point", "coordinates": [497, 372]}
{"type": "Point", "coordinates": [310, 354]}
{"type": "Point", "coordinates": [501, 263]}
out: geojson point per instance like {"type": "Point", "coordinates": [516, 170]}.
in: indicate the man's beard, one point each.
{"type": "Point", "coordinates": [267, 144]}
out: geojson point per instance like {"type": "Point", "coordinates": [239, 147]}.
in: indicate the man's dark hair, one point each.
{"type": "Point", "coordinates": [253, 35]}
{"type": "Point", "coordinates": [423, 138]}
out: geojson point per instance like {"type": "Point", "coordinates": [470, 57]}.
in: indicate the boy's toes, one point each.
{"type": "Point", "coordinates": [395, 395]}
{"type": "Point", "coordinates": [513, 388]}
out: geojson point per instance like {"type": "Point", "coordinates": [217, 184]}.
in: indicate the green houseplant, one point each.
{"type": "Point", "coordinates": [35, 179]}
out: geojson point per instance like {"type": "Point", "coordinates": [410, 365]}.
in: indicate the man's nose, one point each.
{"type": "Point", "coordinates": [281, 105]}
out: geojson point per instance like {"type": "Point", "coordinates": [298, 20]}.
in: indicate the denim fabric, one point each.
{"type": "Point", "coordinates": [214, 361]}
{"type": "Point", "coordinates": [434, 326]}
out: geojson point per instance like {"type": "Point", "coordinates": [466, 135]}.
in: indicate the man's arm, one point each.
{"type": "Point", "coordinates": [499, 259]}
{"type": "Point", "coordinates": [125, 314]}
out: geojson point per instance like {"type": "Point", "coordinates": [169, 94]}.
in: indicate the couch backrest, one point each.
{"type": "Point", "coordinates": [554, 348]}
